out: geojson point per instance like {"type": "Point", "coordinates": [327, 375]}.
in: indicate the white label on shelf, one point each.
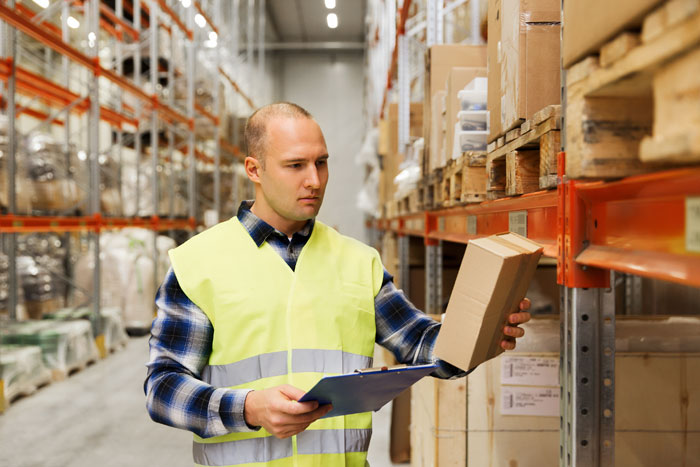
{"type": "Point", "coordinates": [517, 222]}
{"type": "Point", "coordinates": [441, 224]}
{"type": "Point", "coordinates": [530, 371]}
{"type": "Point", "coordinates": [692, 224]}
{"type": "Point", "coordinates": [539, 402]}
{"type": "Point", "coordinates": [471, 225]}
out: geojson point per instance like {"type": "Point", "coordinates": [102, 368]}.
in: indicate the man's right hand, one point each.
{"type": "Point", "coordinates": [277, 410]}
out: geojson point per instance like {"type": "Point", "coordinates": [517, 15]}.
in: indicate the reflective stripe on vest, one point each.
{"type": "Point", "coordinates": [275, 364]}
{"type": "Point", "coordinates": [249, 451]}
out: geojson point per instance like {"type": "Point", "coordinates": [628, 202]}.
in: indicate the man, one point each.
{"type": "Point", "coordinates": [255, 310]}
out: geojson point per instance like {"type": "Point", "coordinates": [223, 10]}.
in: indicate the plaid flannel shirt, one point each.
{"type": "Point", "coordinates": [181, 340]}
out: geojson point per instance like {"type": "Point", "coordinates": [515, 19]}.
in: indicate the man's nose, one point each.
{"type": "Point", "coordinates": [312, 179]}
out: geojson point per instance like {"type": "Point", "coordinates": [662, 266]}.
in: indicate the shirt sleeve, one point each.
{"type": "Point", "coordinates": [180, 345]}
{"type": "Point", "coordinates": [408, 332]}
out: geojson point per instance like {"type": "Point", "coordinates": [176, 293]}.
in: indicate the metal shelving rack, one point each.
{"type": "Point", "coordinates": [644, 225]}
{"type": "Point", "coordinates": [124, 103]}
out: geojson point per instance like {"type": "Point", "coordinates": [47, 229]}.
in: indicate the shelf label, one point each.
{"type": "Point", "coordinates": [692, 224]}
{"type": "Point", "coordinates": [517, 222]}
{"type": "Point", "coordinates": [538, 402]}
{"type": "Point", "coordinates": [471, 225]}
{"type": "Point", "coordinates": [530, 371]}
{"type": "Point", "coordinates": [441, 224]}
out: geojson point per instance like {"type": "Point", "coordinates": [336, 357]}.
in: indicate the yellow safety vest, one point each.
{"type": "Point", "coordinates": [276, 326]}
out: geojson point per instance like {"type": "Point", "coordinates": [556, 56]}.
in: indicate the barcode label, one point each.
{"type": "Point", "coordinates": [471, 225]}
{"type": "Point", "coordinates": [538, 402]}
{"type": "Point", "coordinates": [530, 371]}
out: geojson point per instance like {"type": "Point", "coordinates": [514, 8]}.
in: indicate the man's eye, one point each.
{"type": "Point", "coordinates": [295, 166]}
{"type": "Point", "coordinates": [323, 162]}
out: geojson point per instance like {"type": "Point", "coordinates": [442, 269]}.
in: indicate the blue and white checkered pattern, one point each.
{"type": "Point", "coordinates": [181, 340]}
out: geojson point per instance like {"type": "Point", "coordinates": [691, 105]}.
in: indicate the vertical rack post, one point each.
{"type": "Point", "coordinates": [93, 151]}
{"type": "Point", "coordinates": [587, 376]}
{"type": "Point", "coordinates": [10, 53]}
{"type": "Point", "coordinates": [137, 82]}
{"type": "Point", "coordinates": [404, 266]}
{"type": "Point", "coordinates": [261, 50]}
{"type": "Point", "coordinates": [433, 277]}
{"type": "Point", "coordinates": [171, 137]}
{"type": "Point", "coordinates": [217, 139]}
{"type": "Point", "coordinates": [250, 33]}
{"type": "Point", "coordinates": [155, 140]}
{"type": "Point", "coordinates": [404, 84]}
{"type": "Point", "coordinates": [434, 23]}
{"type": "Point", "coordinates": [191, 62]}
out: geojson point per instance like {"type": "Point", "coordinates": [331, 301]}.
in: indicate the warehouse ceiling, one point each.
{"type": "Point", "coordinates": [304, 22]}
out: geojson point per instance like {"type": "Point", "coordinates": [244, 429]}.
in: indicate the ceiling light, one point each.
{"type": "Point", "coordinates": [42, 3]}
{"type": "Point", "coordinates": [186, 3]}
{"type": "Point", "coordinates": [330, 4]}
{"type": "Point", "coordinates": [213, 36]}
{"type": "Point", "coordinates": [200, 20]}
{"type": "Point", "coordinates": [72, 23]}
{"type": "Point", "coordinates": [332, 20]}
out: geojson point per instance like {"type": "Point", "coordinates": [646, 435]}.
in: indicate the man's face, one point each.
{"type": "Point", "coordinates": [294, 179]}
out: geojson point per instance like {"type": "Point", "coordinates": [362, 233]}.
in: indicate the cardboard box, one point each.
{"type": "Point", "coordinates": [523, 60]}
{"type": "Point", "coordinates": [457, 79]}
{"type": "Point", "coordinates": [492, 280]}
{"type": "Point", "coordinates": [437, 142]}
{"type": "Point", "coordinates": [589, 24]}
{"type": "Point", "coordinates": [439, 60]}
{"type": "Point", "coordinates": [650, 373]}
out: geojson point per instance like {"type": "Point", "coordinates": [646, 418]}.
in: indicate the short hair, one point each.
{"type": "Point", "coordinates": [255, 134]}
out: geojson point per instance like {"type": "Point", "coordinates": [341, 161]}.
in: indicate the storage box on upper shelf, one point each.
{"type": "Point", "coordinates": [457, 79]}
{"type": "Point", "coordinates": [473, 141]}
{"type": "Point", "coordinates": [524, 60]}
{"type": "Point", "coordinates": [473, 99]}
{"type": "Point", "coordinates": [473, 120]}
{"type": "Point", "coordinates": [581, 39]}
{"type": "Point", "coordinates": [439, 61]}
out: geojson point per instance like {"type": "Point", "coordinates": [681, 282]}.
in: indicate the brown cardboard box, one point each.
{"type": "Point", "coordinates": [439, 60]}
{"type": "Point", "coordinates": [457, 79]}
{"type": "Point", "coordinates": [437, 142]}
{"type": "Point", "coordinates": [493, 278]}
{"type": "Point", "coordinates": [588, 24]}
{"type": "Point", "coordinates": [657, 389]}
{"type": "Point", "coordinates": [523, 60]}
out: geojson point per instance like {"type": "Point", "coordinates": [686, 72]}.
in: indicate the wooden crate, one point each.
{"type": "Point", "coordinates": [525, 159]}
{"type": "Point", "coordinates": [636, 107]}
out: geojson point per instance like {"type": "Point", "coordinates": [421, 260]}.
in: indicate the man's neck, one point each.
{"type": "Point", "coordinates": [287, 227]}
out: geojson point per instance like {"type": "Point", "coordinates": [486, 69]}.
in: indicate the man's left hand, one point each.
{"type": "Point", "coordinates": [511, 330]}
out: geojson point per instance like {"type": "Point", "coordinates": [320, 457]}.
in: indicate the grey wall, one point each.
{"type": "Point", "coordinates": [330, 86]}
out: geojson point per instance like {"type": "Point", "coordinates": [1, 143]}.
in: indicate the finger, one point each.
{"type": "Point", "coordinates": [507, 344]}
{"type": "Point", "coordinates": [525, 304]}
{"type": "Point", "coordinates": [513, 331]}
{"type": "Point", "coordinates": [291, 392]}
{"type": "Point", "coordinates": [519, 317]}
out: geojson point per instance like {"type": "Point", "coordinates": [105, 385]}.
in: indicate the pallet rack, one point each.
{"type": "Point", "coordinates": [645, 225]}
{"type": "Point", "coordinates": [127, 102]}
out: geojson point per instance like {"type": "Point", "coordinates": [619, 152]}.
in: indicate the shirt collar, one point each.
{"type": "Point", "coordinates": [259, 230]}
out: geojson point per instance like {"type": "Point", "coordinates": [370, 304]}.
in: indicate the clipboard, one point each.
{"type": "Point", "coordinates": [365, 390]}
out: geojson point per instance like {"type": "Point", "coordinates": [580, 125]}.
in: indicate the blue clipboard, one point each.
{"type": "Point", "coordinates": [364, 390]}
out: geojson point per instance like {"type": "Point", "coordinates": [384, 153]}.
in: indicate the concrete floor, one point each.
{"type": "Point", "coordinates": [97, 417]}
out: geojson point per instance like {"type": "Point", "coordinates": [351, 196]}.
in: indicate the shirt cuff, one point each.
{"type": "Point", "coordinates": [232, 408]}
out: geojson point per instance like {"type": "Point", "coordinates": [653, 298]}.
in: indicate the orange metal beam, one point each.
{"type": "Point", "coordinates": [27, 224]}
{"type": "Point", "coordinates": [202, 111]}
{"type": "Point", "coordinates": [108, 13]}
{"type": "Point", "coordinates": [237, 88]}
{"type": "Point", "coordinates": [164, 6]}
{"type": "Point", "coordinates": [38, 115]}
{"type": "Point", "coordinates": [24, 10]}
{"type": "Point", "coordinates": [209, 21]}
{"type": "Point", "coordinates": [232, 149]}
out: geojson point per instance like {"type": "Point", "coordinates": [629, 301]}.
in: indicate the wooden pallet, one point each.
{"type": "Point", "coordinates": [460, 182]}
{"type": "Point", "coordinates": [525, 160]}
{"type": "Point", "coordinates": [636, 107]}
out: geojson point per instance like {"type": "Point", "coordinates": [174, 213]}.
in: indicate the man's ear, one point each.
{"type": "Point", "coordinates": [252, 169]}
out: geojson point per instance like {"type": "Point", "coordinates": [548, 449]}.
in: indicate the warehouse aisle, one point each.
{"type": "Point", "coordinates": [97, 417]}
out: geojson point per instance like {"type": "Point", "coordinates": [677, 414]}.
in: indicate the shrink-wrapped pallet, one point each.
{"type": "Point", "coordinates": [22, 370]}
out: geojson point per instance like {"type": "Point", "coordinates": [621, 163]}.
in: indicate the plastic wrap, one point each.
{"type": "Point", "coordinates": [58, 178]}
{"type": "Point", "coordinates": [65, 345]}
{"type": "Point", "coordinates": [112, 324]}
{"type": "Point", "coordinates": [22, 370]}
{"type": "Point", "coordinates": [41, 271]}
{"type": "Point", "coordinates": [410, 171]}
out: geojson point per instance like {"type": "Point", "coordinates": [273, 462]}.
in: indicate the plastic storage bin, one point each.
{"type": "Point", "coordinates": [473, 120]}
{"type": "Point", "coordinates": [473, 140]}
{"type": "Point", "coordinates": [472, 100]}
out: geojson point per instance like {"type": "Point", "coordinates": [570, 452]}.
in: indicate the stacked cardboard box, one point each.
{"type": "Point", "coordinates": [439, 63]}
{"type": "Point", "coordinates": [523, 60]}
